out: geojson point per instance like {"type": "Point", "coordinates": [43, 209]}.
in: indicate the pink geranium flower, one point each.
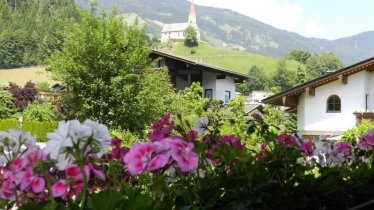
{"type": "Point", "coordinates": [366, 142]}
{"type": "Point", "coordinates": [18, 164]}
{"type": "Point", "coordinates": [182, 153]}
{"type": "Point", "coordinates": [60, 189]}
{"type": "Point", "coordinates": [192, 135]}
{"type": "Point", "coordinates": [38, 185]}
{"type": "Point", "coordinates": [343, 148]}
{"type": "Point", "coordinates": [307, 149]}
{"type": "Point", "coordinates": [26, 178]}
{"type": "Point", "coordinates": [138, 158]}
{"type": "Point", "coordinates": [74, 171]}
{"type": "Point", "coordinates": [8, 189]}
{"type": "Point", "coordinates": [287, 140]}
{"type": "Point", "coordinates": [263, 153]}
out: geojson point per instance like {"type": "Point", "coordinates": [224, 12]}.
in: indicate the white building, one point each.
{"type": "Point", "coordinates": [218, 83]}
{"type": "Point", "coordinates": [176, 30]}
{"type": "Point", "coordinates": [256, 96]}
{"type": "Point", "coordinates": [333, 103]}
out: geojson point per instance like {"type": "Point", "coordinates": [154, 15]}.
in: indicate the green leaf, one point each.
{"type": "Point", "coordinates": [108, 200]}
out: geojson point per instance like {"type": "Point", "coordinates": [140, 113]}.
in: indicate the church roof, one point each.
{"type": "Point", "coordinates": [192, 11]}
{"type": "Point", "coordinates": [174, 27]}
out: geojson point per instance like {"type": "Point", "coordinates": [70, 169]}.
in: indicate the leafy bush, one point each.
{"type": "Point", "coordinates": [127, 137]}
{"type": "Point", "coordinates": [42, 86]}
{"type": "Point", "coordinates": [353, 135]}
{"type": "Point", "coordinates": [7, 107]}
{"type": "Point", "coordinates": [23, 96]}
{"type": "Point", "coordinates": [40, 112]}
{"type": "Point", "coordinates": [40, 129]}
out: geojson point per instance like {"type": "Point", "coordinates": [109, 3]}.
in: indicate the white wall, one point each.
{"type": "Point", "coordinates": [219, 86]}
{"type": "Point", "coordinates": [371, 91]}
{"type": "Point", "coordinates": [222, 85]}
{"type": "Point", "coordinates": [312, 116]}
{"type": "Point", "coordinates": [172, 35]}
{"type": "Point", "coordinates": [209, 82]}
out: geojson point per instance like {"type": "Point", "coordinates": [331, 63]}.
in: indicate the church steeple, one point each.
{"type": "Point", "coordinates": [192, 16]}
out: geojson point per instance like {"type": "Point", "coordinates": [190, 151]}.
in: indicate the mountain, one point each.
{"type": "Point", "coordinates": [226, 28]}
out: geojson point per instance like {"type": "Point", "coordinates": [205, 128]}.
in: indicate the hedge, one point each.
{"type": "Point", "coordinates": [40, 129]}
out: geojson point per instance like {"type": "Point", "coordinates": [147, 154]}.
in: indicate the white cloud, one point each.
{"type": "Point", "coordinates": [285, 15]}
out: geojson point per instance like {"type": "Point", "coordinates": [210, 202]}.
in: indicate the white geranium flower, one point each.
{"type": "Point", "coordinates": [201, 124]}
{"type": "Point", "coordinates": [59, 140]}
{"type": "Point", "coordinates": [63, 161]}
{"type": "Point", "coordinates": [23, 138]}
{"type": "Point", "coordinates": [100, 134]}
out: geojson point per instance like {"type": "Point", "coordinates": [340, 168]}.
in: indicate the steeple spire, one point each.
{"type": "Point", "coordinates": [192, 16]}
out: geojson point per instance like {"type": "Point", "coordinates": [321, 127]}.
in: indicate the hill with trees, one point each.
{"type": "Point", "coordinates": [222, 27]}
{"type": "Point", "coordinates": [29, 30]}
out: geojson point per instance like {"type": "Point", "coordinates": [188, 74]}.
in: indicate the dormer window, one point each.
{"type": "Point", "coordinates": [334, 104]}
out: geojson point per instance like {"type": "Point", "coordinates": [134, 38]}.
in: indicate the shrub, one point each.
{"type": "Point", "coordinates": [353, 135]}
{"type": "Point", "coordinates": [23, 96]}
{"type": "Point", "coordinates": [40, 129]}
{"type": "Point", "coordinates": [40, 112]}
{"type": "Point", "coordinates": [42, 86]}
{"type": "Point", "coordinates": [127, 137]}
{"type": "Point", "coordinates": [7, 107]}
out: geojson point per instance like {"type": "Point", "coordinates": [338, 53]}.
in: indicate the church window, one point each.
{"type": "Point", "coordinates": [333, 104]}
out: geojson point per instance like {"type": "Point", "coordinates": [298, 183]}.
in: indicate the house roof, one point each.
{"type": "Point", "coordinates": [248, 107]}
{"type": "Point", "coordinates": [290, 97]}
{"type": "Point", "coordinates": [174, 27]}
{"type": "Point", "coordinates": [200, 65]}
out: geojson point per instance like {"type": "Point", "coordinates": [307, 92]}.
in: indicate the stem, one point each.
{"type": "Point", "coordinates": [85, 185]}
{"type": "Point", "coordinates": [17, 201]}
{"type": "Point", "coordinates": [48, 181]}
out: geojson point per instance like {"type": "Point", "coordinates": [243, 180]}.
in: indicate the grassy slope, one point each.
{"type": "Point", "coordinates": [21, 75]}
{"type": "Point", "coordinates": [229, 59]}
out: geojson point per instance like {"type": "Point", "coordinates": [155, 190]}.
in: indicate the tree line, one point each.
{"type": "Point", "coordinates": [311, 66]}
{"type": "Point", "coordinates": [30, 30]}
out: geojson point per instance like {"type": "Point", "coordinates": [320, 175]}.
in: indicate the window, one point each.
{"type": "Point", "coordinates": [208, 93]}
{"type": "Point", "coordinates": [227, 96]}
{"type": "Point", "coordinates": [333, 104]}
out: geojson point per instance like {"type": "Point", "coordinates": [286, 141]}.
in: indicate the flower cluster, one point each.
{"type": "Point", "coordinates": [13, 143]}
{"type": "Point", "coordinates": [323, 153]}
{"type": "Point", "coordinates": [117, 152]}
{"type": "Point", "coordinates": [20, 181]}
{"type": "Point", "coordinates": [73, 138]}
{"type": "Point", "coordinates": [287, 140]}
{"type": "Point", "coordinates": [162, 154]}
{"type": "Point", "coordinates": [161, 128]}
{"type": "Point", "coordinates": [367, 141]}
{"type": "Point", "coordinates": [73, 183]}
{"type": "Point", "coordinates": [220, 145]}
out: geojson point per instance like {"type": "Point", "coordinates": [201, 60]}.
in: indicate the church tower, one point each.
{"type": "Point", "coordinates": [192, 16]}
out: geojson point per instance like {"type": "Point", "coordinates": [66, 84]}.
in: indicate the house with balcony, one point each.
{"type": "Point", "coordinates": [333, 103]}
{"type": "Point", "coordinates": [218, 83]}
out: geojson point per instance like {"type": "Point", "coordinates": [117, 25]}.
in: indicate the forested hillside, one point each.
{"type": "Point", "coordinates": [29, 29]}
{"type": "Point", "coordinates": [226, 28]}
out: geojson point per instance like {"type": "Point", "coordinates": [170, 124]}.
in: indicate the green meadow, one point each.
{"type": "Point", "coordinates": [238, 61]}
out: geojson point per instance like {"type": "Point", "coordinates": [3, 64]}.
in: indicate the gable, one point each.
{"type": "Point", "coordinates": [290, 97]}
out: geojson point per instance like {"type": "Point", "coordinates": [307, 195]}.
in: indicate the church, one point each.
{"type": "Point", "coordinates": [176, 30]}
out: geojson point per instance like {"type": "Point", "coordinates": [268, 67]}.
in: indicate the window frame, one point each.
{"type": "Point", "coordinates": [229, 95]}
{"type": "Point", "coordinates": [334, 103]}
{"type": "Point", "coordinates": [208, 93]}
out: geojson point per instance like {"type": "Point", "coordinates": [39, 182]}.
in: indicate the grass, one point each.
{"type": "Point", "coordinates": [229, 59]}
{"type": "Point", "coordinates": [21, 76]}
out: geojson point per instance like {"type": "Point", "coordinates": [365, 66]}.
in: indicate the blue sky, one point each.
{"type": "Point", "coordinates": [329, 19]}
